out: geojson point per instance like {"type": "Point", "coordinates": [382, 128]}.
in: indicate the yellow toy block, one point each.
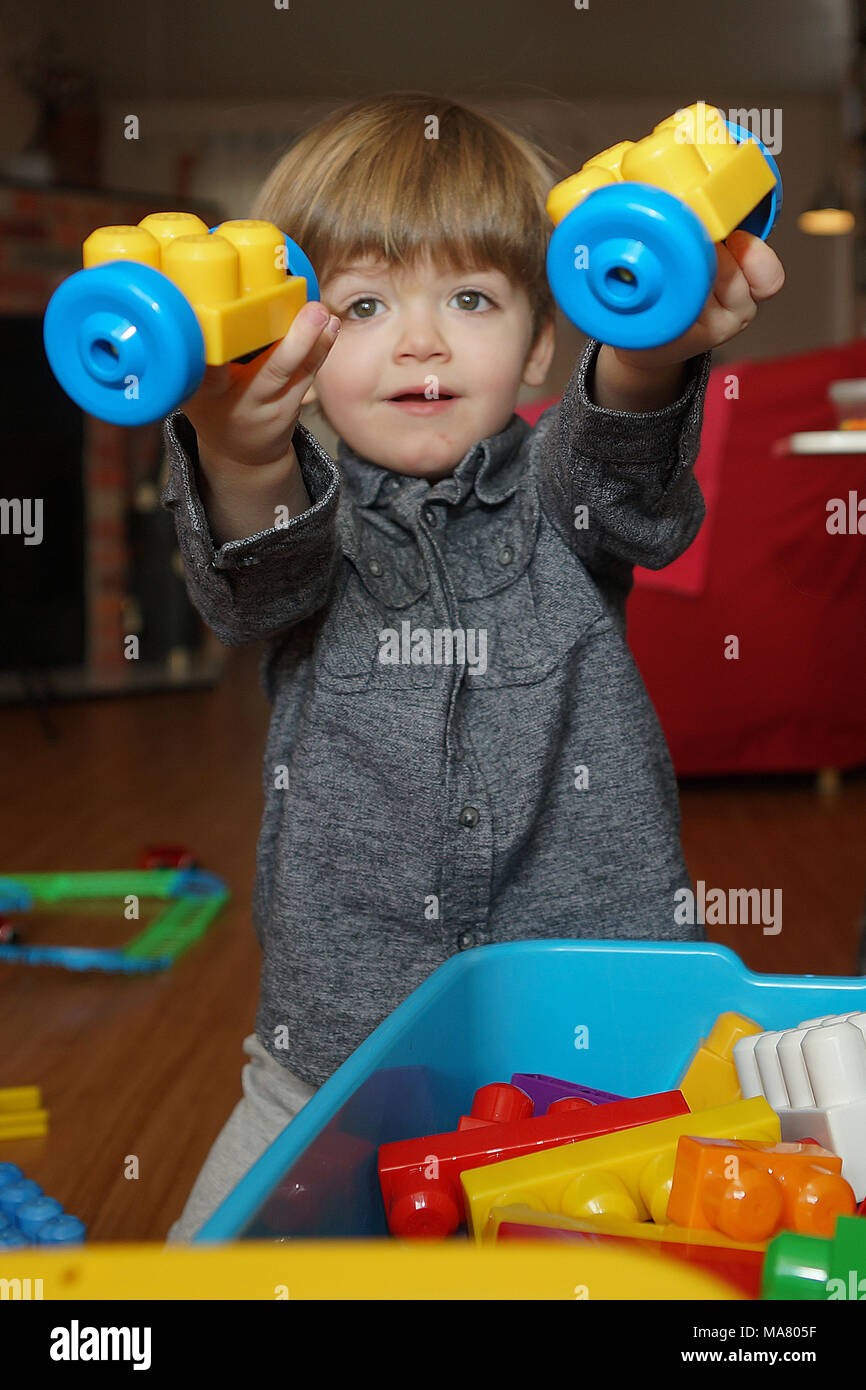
{"type": "Point", "coordinates": [711, 1076]}
{"type": "Point", "coordinates": [21, 1113]}
{"type": "Point", "coordinates": [627, 1174]}
{"type": "Point", "coordinates": [234, 278]}
{"type": "Point", "coordinates": [350, 1269]}
{"type": "Point", "coordinates": [14, 1098]}
{"type": "Point", "coordinates": [691, 154]}
{"type": "Point", "coordinates": [522, 1215]}
{"type": "Point", "coordinates": [29, 1124]}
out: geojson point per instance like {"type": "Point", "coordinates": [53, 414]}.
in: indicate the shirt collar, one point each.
{"type": "Point", "coordinates": [492, 468]}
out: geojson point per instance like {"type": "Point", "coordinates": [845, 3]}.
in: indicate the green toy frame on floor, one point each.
{"type": "Point", "coordinates": [195, 898]}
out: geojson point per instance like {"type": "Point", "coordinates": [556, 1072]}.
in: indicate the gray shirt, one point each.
{"type": "Point", "coordinates": [421, 799]}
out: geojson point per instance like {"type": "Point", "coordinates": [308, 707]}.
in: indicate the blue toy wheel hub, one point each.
{"type": "Point", "coordinates": [109, 347]}
{"type": "Point", "coordinates": [625, 275]}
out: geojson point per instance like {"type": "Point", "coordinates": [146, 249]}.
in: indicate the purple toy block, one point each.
{"type": "Point", "coordinates": [544, 1090]}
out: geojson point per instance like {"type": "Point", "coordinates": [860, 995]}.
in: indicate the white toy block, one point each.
{"type": "Point", "coordinates": [814, 1077]}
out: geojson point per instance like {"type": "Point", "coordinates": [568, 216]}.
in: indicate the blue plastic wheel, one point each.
{"type": "Point", "coordinates": [631, 265]}
{"type": "Point", "coordinates": [762, 219]}
{"type": "Point", "coordinates": [124, 342]}
{"type": "Point", "coordinates": [299, 265]}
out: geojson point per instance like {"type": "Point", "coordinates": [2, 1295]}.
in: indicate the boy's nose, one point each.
{"type": "Point", "coordinates": [422, 336]}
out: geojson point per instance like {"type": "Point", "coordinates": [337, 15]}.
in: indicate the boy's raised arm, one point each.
{"type": "Point", "coordinates": [618, 483]}
{"type": "Point", "coordinates": [250, 589]}
{"type": "Point", "coordinates": [631, 468]}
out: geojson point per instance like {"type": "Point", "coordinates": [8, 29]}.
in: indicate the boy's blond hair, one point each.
{"type": "Point", "coordinates": [369, 180]}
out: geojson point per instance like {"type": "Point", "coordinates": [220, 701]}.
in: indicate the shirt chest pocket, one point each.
{"type": "Point", "coordinates": [522, 636]}
{"type": "Point", "coordinates": [524, 597]}
{"type": "Point", "coordinates": [382, 589]}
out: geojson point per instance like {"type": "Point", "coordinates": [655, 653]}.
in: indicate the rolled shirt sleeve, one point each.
{"type": "Point", "coordinates": [632, 471]}
{"type": "Point", "coordinates": [249, 590]}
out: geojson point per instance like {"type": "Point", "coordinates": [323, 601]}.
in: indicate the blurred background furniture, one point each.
{"type": "Point", "coordinates": [106, 568]}
{"type": "Point", "coordinates": [764, 570]}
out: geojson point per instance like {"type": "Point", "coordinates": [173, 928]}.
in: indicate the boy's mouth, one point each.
{"type": "Point", "coordinates": [419, 404]}
{"type": "Point", "coordinates": [422, 396]}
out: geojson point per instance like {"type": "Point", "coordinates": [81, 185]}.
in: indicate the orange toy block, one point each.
{"type": "Point", "coordinates": [750, 1191]}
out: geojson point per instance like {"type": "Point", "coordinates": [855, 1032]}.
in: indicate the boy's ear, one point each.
{"type": "Point", "coordinates": [540, 355]}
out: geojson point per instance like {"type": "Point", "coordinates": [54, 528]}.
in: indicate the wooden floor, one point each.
{"type": "Point", "coordinates": [148, 1069]}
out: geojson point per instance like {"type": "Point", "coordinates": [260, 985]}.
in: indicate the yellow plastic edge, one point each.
{"type": "Point", "coordinates": [369, 1270]}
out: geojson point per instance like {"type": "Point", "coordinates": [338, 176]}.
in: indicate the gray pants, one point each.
{"type": "Point", "coordinates": [272, 1097]}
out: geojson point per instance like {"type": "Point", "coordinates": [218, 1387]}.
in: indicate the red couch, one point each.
{"type": "Point", "coordinates": [764, 569]}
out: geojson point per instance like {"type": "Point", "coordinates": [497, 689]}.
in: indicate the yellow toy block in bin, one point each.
{"type": "Point", "coordinates": [711, 1076]}
{"type": "Point", "coordinates": [610, 1226]}
{"type": "Point", "coordinates": [627, 1174]}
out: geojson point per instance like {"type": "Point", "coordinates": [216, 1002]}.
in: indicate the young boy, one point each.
{"type": "Point", "coordinates": [461, 749]}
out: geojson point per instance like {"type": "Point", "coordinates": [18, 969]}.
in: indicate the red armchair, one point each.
{"type": "Point", "coordinates": [765, 570]}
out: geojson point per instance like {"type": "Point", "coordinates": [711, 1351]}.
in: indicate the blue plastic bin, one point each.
{"type": "Point", "coordinates": [482, 1016]}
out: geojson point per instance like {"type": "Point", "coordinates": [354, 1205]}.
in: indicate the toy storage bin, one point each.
{"type": "Point", "coordinates": [482, 1016]}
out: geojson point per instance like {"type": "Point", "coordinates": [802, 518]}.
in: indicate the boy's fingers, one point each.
{"type": "Point", "coordinates": [298, 356]}
{"type": "Point", "coordinates": [731, 289]}
{"type": "Point", "coordinates": [758, 262]}
{"type": "Point", "coordinates": [216, 380]}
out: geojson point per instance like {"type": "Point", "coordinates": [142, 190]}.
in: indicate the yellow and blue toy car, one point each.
{"type": "Point", "coordinates": [129, 336]}
{"type": "Point", "coordinates": [632, 258]}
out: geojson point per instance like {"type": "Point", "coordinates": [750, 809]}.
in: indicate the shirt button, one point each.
{"type": "Point", "coordinates": [506, 555]}
{"type": "Point", "coordinates": [430, 516]}
{"type": "Point", "coordinates": [393, 484]}
{"type": "Point", "coordinates": [465, 940]}
{"type": "Point", "coordinates": [469, 816]}
{"type": "Point", "coordinates": [374, 567]}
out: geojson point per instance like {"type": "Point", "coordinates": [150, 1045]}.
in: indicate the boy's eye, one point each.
{"type": "Point", "coordinates": [469, 298]}
{"type": "Point", "coordinates": [364, 303]}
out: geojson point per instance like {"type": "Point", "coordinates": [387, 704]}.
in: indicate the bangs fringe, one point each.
{"type": "Point", "coordinates": [368, 182]}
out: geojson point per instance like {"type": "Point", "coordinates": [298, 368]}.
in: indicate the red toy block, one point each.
{"type": "Point", "coordinates": [420, 1178]}
{"type": "Point", "coordinates": [9, 933]}
{"type": "Point", "coordinates": [502, 1103]}
{"type": "Point", "coordinates": [742, 1268]}
{"type": "Point", "coordinates": [166, 857]}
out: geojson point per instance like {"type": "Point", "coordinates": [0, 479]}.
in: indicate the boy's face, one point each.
{"type": "Point", "coordinates": [464, 334]}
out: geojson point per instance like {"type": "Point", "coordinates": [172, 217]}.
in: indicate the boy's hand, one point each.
{"type": "Point", "coordinates": [749, 271]}
{"type": "Point", "coordinates": [246, 413]}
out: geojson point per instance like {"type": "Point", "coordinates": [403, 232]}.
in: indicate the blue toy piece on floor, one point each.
{"type": "Point", "coordinates": [28, 1217]}
{"type": "Point", "coordinates": [193, 899]}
